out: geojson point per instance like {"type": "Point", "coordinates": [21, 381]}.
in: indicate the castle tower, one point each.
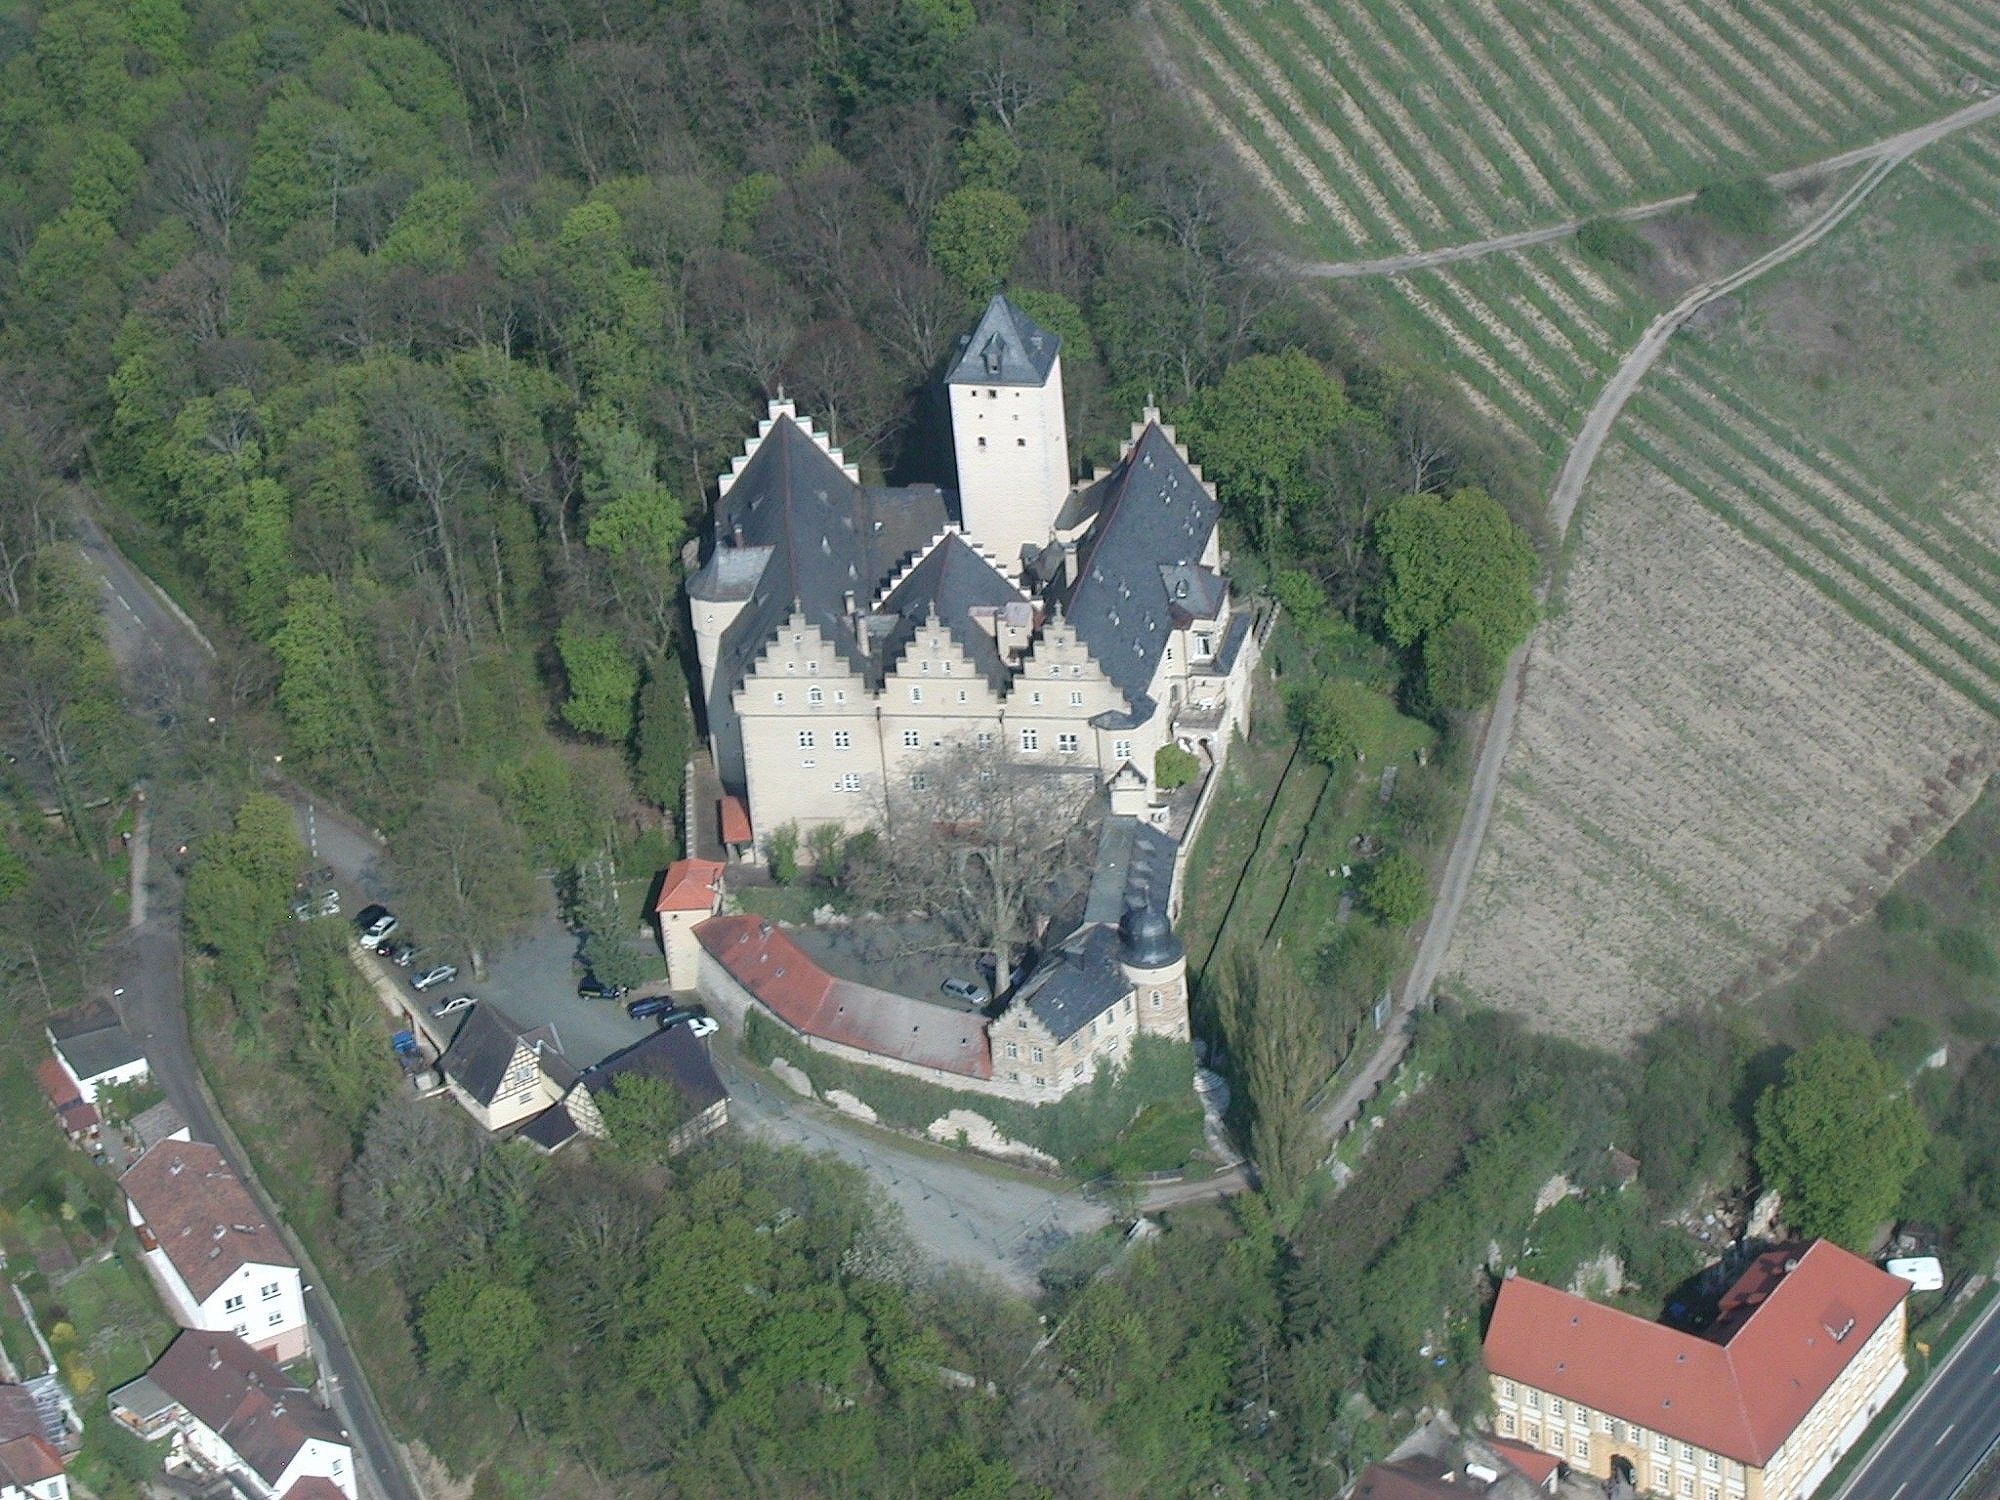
{"type": "Point", "coordinates": [1008, 433]}
{"type": "Point", "coordinates": [1155, 965]}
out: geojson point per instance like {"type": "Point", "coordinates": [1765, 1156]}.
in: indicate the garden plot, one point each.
{"type": "Point", "coordinates": [1715, 763]}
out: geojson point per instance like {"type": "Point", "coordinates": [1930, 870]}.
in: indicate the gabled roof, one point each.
{"type": "Point", "coordinates": [734, 818]}
{"type": "Point", "coordinates": [64, 1098]}
{"type": "Point", "coordinates": [819, 536]}
{"type": "Point", "coordinates": [314, 1487]}
{"type": "Point", "coordinates": [483, 1048]}
{"type": "Point", "coordinates": [953, 579]}
{"type": "Point", "coordinates": [201, 1214]}
{"type": "Point", "coordinates": [1007, 348]}
{"type": "Point", "coordinates": [244, 1398]}
{"type": "Point", "coordinates": [93, 1041]}
{"type": "Point", "coordinates": [1785, 1338]}
{"type": "Point", "coordinates": [1152, 519]}
{"type": "Point", "coordinates": [1537, 1467]}
{"type": "Point", "coordinates": [672, 1055]}
{"type": "Point", "coordinates": [20, 1414]}
{"type": "Point", "coordinates": [551, 1130]}
{"type": "Point", "coordinates": [28, 1460]}
{"type": "Point", "coordinates": [1408, 1479]}
{"type": "Point", "coordinates": [760, 957]}
{"type": "Point", "coordinates": [1075, 983]}
{"type": "Point", "coordinates": [690, 885]}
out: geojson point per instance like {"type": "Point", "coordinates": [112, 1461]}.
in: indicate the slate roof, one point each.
{"type": "Point", "coordinates": [154, 1125]}
{"type": "Point", "coordinates": [1007, 348]}
{"type": "Point", "coordinates": [1135, 865]}
{"type": "Point", "coordinates": [93, 1041]}
{"type": "Point", "coordinates": [824, 537]}
{"type": "Point", "coordinates": [552, 1129]}
{"type": "Point", "coordinates": [244, 1398]}
{"type": "Point", "coordinates": [201, 1214]}
{"type": "Point", "coordinates": [765, 961]}
{"type": "Point", "coordinates": [1152, 520]}
{"type": "Point", "coordinates": [483, 1048]}
{"type": "Point", "coordinates": [952, 580]}
{"type": "Point", "coordinates": [673, 1055]}
{"type": "Point", "coordinates": [1784, 1338]}
{"type": "Point", "coordinates": [1076, 982]}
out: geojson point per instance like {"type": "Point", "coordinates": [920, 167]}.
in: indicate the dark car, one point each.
{"type": "Point", "coordinates": [369, 915]}
{"type": "Point", "coordinates": [662, 1007]}
{"type": "Point", "coordinates": [590, 987]}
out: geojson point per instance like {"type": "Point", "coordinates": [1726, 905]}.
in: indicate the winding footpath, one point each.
{"type": "Point", "coordinates": [1884, 157]}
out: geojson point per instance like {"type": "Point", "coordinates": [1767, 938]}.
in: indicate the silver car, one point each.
{"type": "Point", "coordinates": [439, 975]}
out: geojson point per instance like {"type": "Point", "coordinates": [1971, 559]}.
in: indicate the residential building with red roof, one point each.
{"type": "Point", "coordinates": [230, 1411]}
{"type": "Point", "coordinates": [218, 1262]}
{"type": "Point", "coordinates": [1807, 1347]}
{"type": "Point", "coordinates": [79, 1118]}
{"type": "Point", "coordinates": [31, 1466]}
{"type": "Point", "coordinates": [690, 893]}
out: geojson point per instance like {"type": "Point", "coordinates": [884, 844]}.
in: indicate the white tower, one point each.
{"type": "Point", "coordinates": [1008, 433]}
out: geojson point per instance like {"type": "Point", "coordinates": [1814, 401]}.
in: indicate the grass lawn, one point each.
{"type": "Point", "coordinates": [121, 1328]}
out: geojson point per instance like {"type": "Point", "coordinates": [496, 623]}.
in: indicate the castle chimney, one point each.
{"type": "Point", "coordinates": [214, 1357]}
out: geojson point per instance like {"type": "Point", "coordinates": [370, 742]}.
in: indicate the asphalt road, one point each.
{"type": "Point", "coordinates": [166, 667]}
{"type": "Point", "coordinates": [1944, 1434]}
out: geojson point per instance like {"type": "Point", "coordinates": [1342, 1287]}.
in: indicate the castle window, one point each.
{"type": "Point", "coordinates": [840, 695]}
{"type": "Point", "coordinates": [1035, 1054]}
{"type": "Point", "coordinates": [1020, 442]}
{"type": "Point", "coordinates": [1066, 744]}
{"type": "Point", "coordinates": [1506, 1424]}
{"type": "Point", "coordinates": [1014, 1077]}
{"type": "Point", "coordinates": [843, 740]}
{"type": "Point", "coordinates": [962, 698]}
{"type": "Point", "coordinates": [809, 761]}
{"type": "Point", "coordinates": [805, 739]}
{"type": "Point", "coordinates": [791, 666]}
{"type": "Point", "coordinates": [851, 782]}
{"type": "Point", "coordinates": [1121, 749]}
{"type": "Point", "coordinates": [1582, 1446]}
{"type": "Point", "coordinates": [984, 739]}
{"type": "Point", "coordinates": [1034, 697]}
{"type": "Point", "coordinates": [1170, 653]}
{"type": "Point", "coordinates": [982, 444]}
{"type": "Point", "coordinates": [1156, 999]}
{"type": "Point", "coordinates": [920, 781]}
{"type": "Point", "coordinates": [1076, 697]}
{"type": "Point", "coordinates": [1077, 1071]}
{"type": "Point", "coordinates": [916, 695]}
{"type": "Point", "coordinates": [1128, 1005]}
{"type": "Point", "coordinates": [1204, 645]}
{"type": "Point", "coordinates": [815, 695]}
{"type": "Point", "coordinates": [993, 395]}
{"type": "Point", "coordinates": [1031, 739]}
{"type": "Point", "coordinates": [1014, 1051]}
{"type": "Point", "coordinates": [812, 669]}
{"type": "Point", "coordinates": [1039, 1080]}
{"type": "Point", "coordinates": [778, 696]}
{"type": "Point", "coordinates": [911, 739]}
{"type": "Point", "coordinates": [926, 665]}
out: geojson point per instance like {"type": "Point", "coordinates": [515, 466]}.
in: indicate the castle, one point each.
{"type": "Point", "coordinates": [849, 635]}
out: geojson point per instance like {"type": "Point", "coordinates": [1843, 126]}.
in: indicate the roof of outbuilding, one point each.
{"type": "Point", "coordinates": [953, 579]}
{"type": "Point", "coordinates": [1152, 520]}
{"type": "Point", "coordinates": [1537, 1467]}
{"type": "Point", "coordinates": [244, 1398]}
{"type": "Point", "coordinates": [201, 1214]}
{"type": "Point", "coordinates": [1007, 348]}
{"type": "Point", "coordinates": [674, 1055]}
{"type": "Point", "coordinates": [1135, 864]}
{"type": "Point", "coordinates": [552, 1129]}
{"type": "Point", "coordinates": [690, 885]}
{"type": "Point", "coordinates": [1784, 1338]}
{"type": "Point", "coordinates": [765, 961]}
{"type": "Point", "coordinates": [93, 1041]}
{"type": "Point", "coordinates": [483, 1048]}
{"type": "Point", "coordinates": [63, 1096]}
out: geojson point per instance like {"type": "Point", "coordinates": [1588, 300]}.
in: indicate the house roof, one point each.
{"type": "Point", "coordinates": [766, 962]}
{"type": "Point", "coordinates": [28, 1460]}
{"type": "Point", "coordinates": [1784, 1337]}
{"type": "Point", "coordinates": [690, 885]}
{"type": "Point", "coordinates": [953, 580]}
{"type": "Point", "coordinates": [314, 1487]}
{"type": "Point", "coordinates": [63, 1097]}
{"type": "Point", "coordinates": [1007, 348]}
{"type": "Point", "coordinates": [821, 536]}
{"type": "Point", "coordinates": [20, 1414]}
{"type": "Point", "coordinates": [1076, 982]}
{"type": "Point", "coordinates": [734, 817]}
{"type": "Point", "coordinates": [244, 1398]}
{"type": "Point", "coordinates": [1134, 866]}
{"type": "Point", "coordinates": [93, 1041]}
{"type": "Point", "coordinates": [1408, 1479]}
{"type": "Point", "coordinates": [551, 1130]}
{"type": "Point", "coordinates": [1152, 519]}
{"type": "Point", "coordinates": [1534, 1465]}
{"type": "Point", "coordinates": [201, 1214]}
{"type": "Point", "coordinates": [154, 1125]}
{"type": "Point", "coordinates": [673, 1055]}
{"type": "Point", "coordinates": [483, 1048]}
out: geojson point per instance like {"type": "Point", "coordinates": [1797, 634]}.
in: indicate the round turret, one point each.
{"type": "Point", "coordinates": [1146, 938]}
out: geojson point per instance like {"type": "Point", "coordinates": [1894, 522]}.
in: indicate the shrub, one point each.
{"type": "Point", "coordinates": [1904, 1044]}
{"type": "Point", "coordinates": [784, 853]}
{"type": "Point", "coordinates": [1748, 205]}
{"type": "Point", "coordinates": [1963, 948]}
{"type": "Point", "coordinates": [1898, 912]}
{"type": "Point", "coordinates": [1174, 767]}
{"type": "Point", "coordinates": [1615, 243]}
{"type": "Point", "coordinates": [1398, 890]}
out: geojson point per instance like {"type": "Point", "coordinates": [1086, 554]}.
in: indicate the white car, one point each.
{"type": "Point", "coordinates": [453, 1006]}
{"type": "Point", "coordinates": [702, 1026]}
{"type": "Point", "coordinates": [440, 975]}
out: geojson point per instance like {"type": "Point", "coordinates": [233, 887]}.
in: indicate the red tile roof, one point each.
{"type": "Point", "coordinates": [767, 963]}
{"type": "Point", "coordinates": [314, 1487]}
{"type": "Point", "coordinates": [245, 1399]}
{"type": "Point", "coordinates": [63, 1097]}
{"type": "Point", "coordinates": [735, 821]}
{"type": "Point", "coordinates": [201, 1214]}
{"type": "Point", "coordinates": [1408, 1479]}
{"type": "Point", "coordinates": [1539, 1467]}
{"type": "Point", "coordinates": [690, 885]}
{"type": "Point", "coordinates": [28, 1460]}
{"type": "Point", "coordinates": [1785, 1337]}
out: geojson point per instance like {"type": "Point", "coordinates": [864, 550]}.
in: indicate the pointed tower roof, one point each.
{"type": "Point", "coordinates": [1007, 348]}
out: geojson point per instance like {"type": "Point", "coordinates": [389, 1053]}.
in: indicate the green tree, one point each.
{"type": "Point", "coordinates": [1256, 432]}
{"type": "Point", "coordinates": [1839, 1139]}
{"type": "Point", "coordinates": [482, 1329]}
{"type": "Point", "coordinates": [1455, 557]}
{"type": "Point", "coordinates": [603, 680]}
{"type": "Point", "coordinates": [642, 1116]}
{"type": "Point", "coordinates": [323, 686]}
{"type": "Point", "coordinates": [1281, 1050]}
{"type": "Point", "coordinates": [1461, 671]}
{"type": "Point", "coordinates": [1398, 890]}
{"type": "Point", "coordinates": [239, 896]}
{"type": "Point", "coordinates": [1174, 767]}
{"type": "Point", "coordinates": [975, 235]}
{"type": "Point", "coordinates": [608, 948]}
{"type": "Point", "coordinates": [666, 736]}
{"type": "Point", "coordinates": [1335, 717]}
{"type": "Point", "coordinates": [465, 871]}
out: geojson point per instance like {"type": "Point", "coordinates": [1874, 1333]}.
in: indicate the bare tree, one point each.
{"type": "Point", "coordinates": [202, 179]}
{"type": "Point", "coordinates": [985, 845]}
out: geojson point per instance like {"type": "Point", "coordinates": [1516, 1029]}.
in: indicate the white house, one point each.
{"type": "Point", "coordinates": [230, 1411]}
{"type": "Point", "coordinates": [96, 1050]}
{"type": "Point", "coordinates": [218, 1264]}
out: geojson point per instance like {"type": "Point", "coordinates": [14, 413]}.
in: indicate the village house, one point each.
{"type": "Point", "coordinates": [501, 1072]}
{"type": "Point", "coordinates": [31, 1465]}
{"type": "Point", "coordinates": [673, 1056]}
{"type": "Point", "coordinates": [79, 1119]}
{"type": "Point", "coordinates": [231, 1412]}
{"type": "Point", "coordinates": [1806, 1347]}
{"type": "Point", "coordinates": [218, 1264]}
{"type": "Point", "coordinates": [96, 1050]}
{"type": "Point", "coordinates": [848, 633]}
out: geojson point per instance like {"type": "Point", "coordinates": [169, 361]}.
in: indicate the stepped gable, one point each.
{"type": "Point", "coordinates": [793, 525]}
{"type": "Point", "coordinates": [1151, 520]}
{"type": "Point", "coordinates": [951, 581]}
{"type": "Point", "coordinates": [1007, 348]}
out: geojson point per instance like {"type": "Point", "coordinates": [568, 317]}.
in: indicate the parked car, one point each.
{"type": "Point", "coordinates": [662, 1006]}
{"type": "Point", "coordinates": [453, 1006]}
{"type": "Point", "coordinates": [699, 1026]}
{"type": "Point", "coordinates": [302, 911]}
{"type": "Point", "coordinates": [590, 987]}
{"type": "Point", "coordinates": [375, 923]}
{"type": "Point", "coordinates": [966, 990]}
{"type": "Point", "coordinates": [329, 903]}
{"type": "Point", "coordinates": [400, 954]}
{"type": "Point", "coordinates": [439, 975]}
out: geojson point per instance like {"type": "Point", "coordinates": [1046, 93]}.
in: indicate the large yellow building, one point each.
{"type": "Point", "coordinates": [1806, 1348]}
